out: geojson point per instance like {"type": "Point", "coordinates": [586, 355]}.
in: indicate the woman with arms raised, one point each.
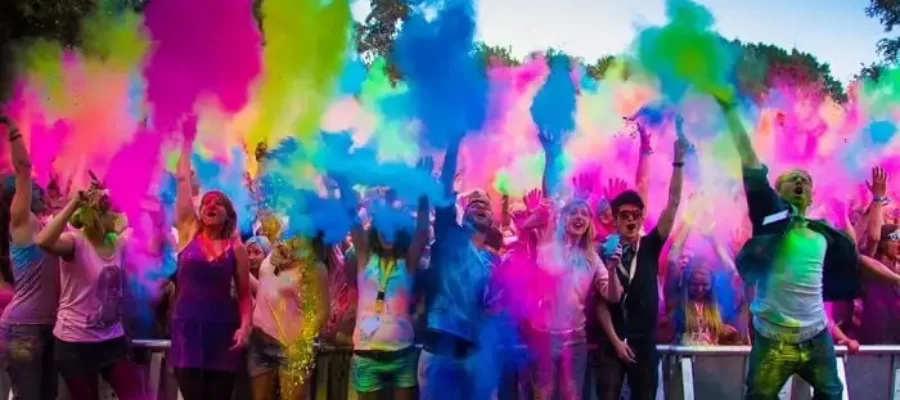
{"type": "Point", "coordinates": [209, 328]}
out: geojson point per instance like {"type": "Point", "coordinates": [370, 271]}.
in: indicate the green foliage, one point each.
{"type": "Point", "coordinates": [763, 66]}
{"type": "Point", "coordinates": [496, 55]}
{"type": "Point", "coordinates": [888, 13]}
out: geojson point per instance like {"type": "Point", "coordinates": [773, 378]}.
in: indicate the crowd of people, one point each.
{"type": "Point", "coordinates": [575, 278]}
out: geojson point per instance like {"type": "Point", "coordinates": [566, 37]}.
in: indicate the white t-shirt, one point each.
{"type": "Point", "coordinates": [392, 328]}
{"type": "Point", "coordinates": [279, 309]}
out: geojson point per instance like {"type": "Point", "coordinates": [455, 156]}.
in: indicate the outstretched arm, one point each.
{"type": "Point", "coordinates": [667, 219]}
{"type": "Point", "coordinates": [20, 210]}
{"type": "Point", "coordinates": [739, 134]}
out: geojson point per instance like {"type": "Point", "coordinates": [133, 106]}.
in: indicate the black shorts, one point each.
{"type": "Point", "coordinates": [80, 359]}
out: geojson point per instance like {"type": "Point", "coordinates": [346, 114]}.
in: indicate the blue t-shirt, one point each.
{"type": "Point", "coordinates": [457, 279]}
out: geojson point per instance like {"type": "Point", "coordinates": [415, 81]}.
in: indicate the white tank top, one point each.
{"type": "Point", "coordinates": [388, 326]}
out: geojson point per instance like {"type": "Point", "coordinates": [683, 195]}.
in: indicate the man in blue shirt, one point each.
{"type": "Point", "coordinates": [455, 293]}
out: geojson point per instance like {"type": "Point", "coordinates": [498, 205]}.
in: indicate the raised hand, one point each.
{"type": "Point", "coordinates": [878, 184]}
{"type": "Point", "coordinates": [615, 187]}
{"type": "Point", "coordinates": [189, 129]}
{"type": "Point", "coordinates": [533, 199]}
{"type": "Point", "coordinates": [262, 150]}
{"type": "Point", "coordinates": [426, 164]}
{"type": "Point", "coordinates": [585, 184]}
{"type": "Point", "coordinates": [551, 142]}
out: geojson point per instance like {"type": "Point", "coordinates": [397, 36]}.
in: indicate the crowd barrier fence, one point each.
{"type": "Point", "coordinates": [686, 373]}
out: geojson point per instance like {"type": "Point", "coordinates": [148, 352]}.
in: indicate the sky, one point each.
{"type": "Point", "coordinates": [836, 31]}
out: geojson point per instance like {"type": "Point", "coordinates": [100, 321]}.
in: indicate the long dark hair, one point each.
{"type": "Point", "coordinates": [230, 214]}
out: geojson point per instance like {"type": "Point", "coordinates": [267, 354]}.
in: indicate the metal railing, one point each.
{"type": "Point", "coordinates": [686, 373]}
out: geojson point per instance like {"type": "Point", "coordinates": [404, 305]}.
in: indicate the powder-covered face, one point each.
{"type": "Point", "coordinates": [629, 219]}
{"type": "Point", "coordinates": [479, 214]}
{"type": "Point", "coordinates": [578, 220]}
{"type": "Point", "coordinates": [685, 258]}
{"type": "Point", "coordinates": [213, 210]}
{"type": "Point", "coordinates": [796, 188]}
{"type": "Point", "coordinates": [699, 285]}
{"type": "Point", "coordinates": [256, 254]}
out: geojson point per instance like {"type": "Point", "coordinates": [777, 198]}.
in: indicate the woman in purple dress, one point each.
{"type": "Point", "coordinates": [209, 327]}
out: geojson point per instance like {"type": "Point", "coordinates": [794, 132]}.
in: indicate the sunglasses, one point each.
{"type": "Point", "coordinates": [894, 236]}
{"type": "Point", "coordinates": [628, 214]}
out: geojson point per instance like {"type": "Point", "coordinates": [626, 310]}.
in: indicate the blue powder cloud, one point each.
{"type": "Point", "coordinates": [447, 84]}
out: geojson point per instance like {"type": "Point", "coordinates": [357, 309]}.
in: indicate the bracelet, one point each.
{"type": "Point", "coordinates": [14, 135]}
{"type": "Point", "coordinates": [678, 164]}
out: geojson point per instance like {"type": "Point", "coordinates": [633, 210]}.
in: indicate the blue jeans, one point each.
{"type": "Point", "coordinates": [772, 362]}
{"type": "Point", "coordinates": [28, 356]}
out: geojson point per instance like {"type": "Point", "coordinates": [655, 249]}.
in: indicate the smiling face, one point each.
{"type": "Point", "coordinates": [795, 187]}
{"type": "Point", "coordinates": [577, 220]}
{"type": "Point", "coordinates": [214, 210]}
{"type": "Point", "coordinates": [478, 213]}
{"type": "Point", "coordinates": [629, 219]}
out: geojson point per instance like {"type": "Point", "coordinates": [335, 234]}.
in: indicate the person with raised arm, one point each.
{"type": "Point", "coordinates": [629, 324]}
{"type": "Point", "coordinates": [91, 340]}
{"type": "Point", "coordinates": [796, 263]}
{"type": "Point", "coordinates": [209, 328]}
{"type": "Point", "coordinates": [27, 322]}
{"type": "Point", "coordinates": [455, 291]}
{"type": "Point", "coordinates": [386, 261]}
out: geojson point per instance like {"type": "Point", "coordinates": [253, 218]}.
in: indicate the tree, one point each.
{"type": "Point", "coordinates": [375, 37]}
{"type": "Point", "coordinates": [598, 69]}
{"type": "Point", "coordinates": [496, 55]}
{"type": "Point", "coordinates": [888, 13]}
{"type": "Point", "coordinates": [763, 66]}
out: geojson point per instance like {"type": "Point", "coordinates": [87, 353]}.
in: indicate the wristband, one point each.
{"type": "Point", "coordinates": [678, 164]}
{"type": "Point", "coordinates": [881, 199]}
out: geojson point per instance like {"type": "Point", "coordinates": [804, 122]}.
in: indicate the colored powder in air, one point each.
{"type": "Point", "coordinates": [200, 48]}
{"type": "Point", "coordinates": [306, 42]}
{"type": "Point", "coordinates": [450, 92]}
{"type": "Point", "coordinates": [117, 39]}
{"type": "Point", "coordinates": [553, 109]}
{"type": "Point", "coordinates": [42, 61]}
{"type": "Point", "coordinates": [686, 51]}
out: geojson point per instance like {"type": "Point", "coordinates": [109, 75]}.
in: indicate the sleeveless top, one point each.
{"type": "Point", "coordinates": [36, 292]}
{"type": "Point", "coordinates": [91, 297]}
{"type": "Point", "coordinates": [204, 286]}
{"type": "Point", "coordinates": [390, 329]}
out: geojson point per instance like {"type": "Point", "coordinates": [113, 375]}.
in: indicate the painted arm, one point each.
{"type": "Point", "coordinates": [667, 219]}
{"type": "Point", "coordinates": [185, 216]}
{"type": "Point", "coordinates": [880, 270]}
{"type": "Point", "coordinates": [739, 134]}
{"type": "Point", "coordinates": [608, 283]}
{"type": "Point", "coordinates": [642, 177]}
{"type": "Point", "coordinates": [20, 210]}
{"type": "Point", "coordinates": [674, 248]}
{"type": "Point", "coordinates": [420, 238]}
{"type": "Point", "coordinates": [52, 239]}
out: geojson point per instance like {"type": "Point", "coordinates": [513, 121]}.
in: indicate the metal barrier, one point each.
{"type": "Point", "coordinates": [686, 373]}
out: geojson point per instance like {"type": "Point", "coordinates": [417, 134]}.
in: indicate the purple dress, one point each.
{"type": "Point", "coordinates": [205, 316]}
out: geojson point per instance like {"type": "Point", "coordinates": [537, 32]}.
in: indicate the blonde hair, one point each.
{"type": "Point", "coordinates": [711, 313]}
{"type": "Point", "coordinates": [586, 242]}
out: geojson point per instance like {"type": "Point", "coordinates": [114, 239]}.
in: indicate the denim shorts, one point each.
{"type": "Point", "coordinates": [264, 354]}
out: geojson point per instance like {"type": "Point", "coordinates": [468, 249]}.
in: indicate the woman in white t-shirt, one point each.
{"type": "Point", "coordinates": [90, 336]}
{"type": "Point", "coordinates": [291, 307]}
